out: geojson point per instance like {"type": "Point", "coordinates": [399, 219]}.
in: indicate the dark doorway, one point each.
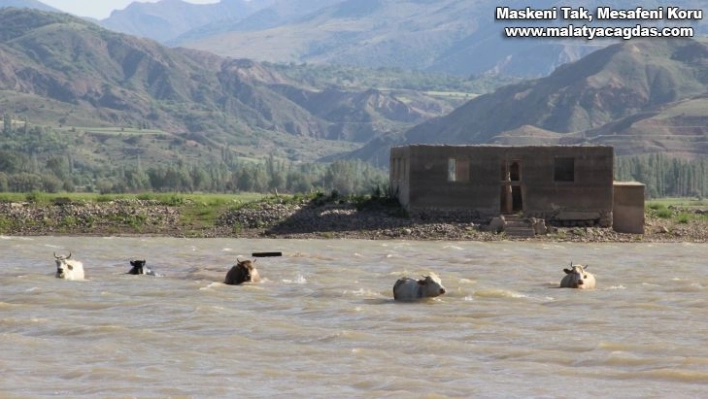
{"type": "Point", "coordinates": [515, 171]}
{"type": "Point", "coordinates": [517, 203]}
{"type": "Point", "coordinates": [511, 198]}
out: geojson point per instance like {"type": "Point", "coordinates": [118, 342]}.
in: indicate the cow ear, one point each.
{"type": "Point", "coordinates": [567, 271]}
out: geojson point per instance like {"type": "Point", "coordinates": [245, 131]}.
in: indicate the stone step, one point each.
{"type": "Point", "coordinates": [519, 231]}
{"type": "Point", "coordinates": [518, 226]}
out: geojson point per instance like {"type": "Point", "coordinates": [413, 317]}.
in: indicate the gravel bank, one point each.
{"type": "Point", "coordinates": [305, 219]}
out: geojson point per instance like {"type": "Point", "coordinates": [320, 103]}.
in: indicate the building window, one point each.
{"type": "Point", "coordinates": [564, 169]}
{"type": "Point", "coordinates": [457, 170]}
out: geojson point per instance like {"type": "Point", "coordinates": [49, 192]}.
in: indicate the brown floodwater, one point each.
{"type": "Point", "coordinates": [322, 323]}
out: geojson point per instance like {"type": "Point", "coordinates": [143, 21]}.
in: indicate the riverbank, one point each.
{"type": "Point", "coordinates": [303, 218]}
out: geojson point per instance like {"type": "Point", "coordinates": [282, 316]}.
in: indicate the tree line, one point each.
{"type": "Point", "coordinates": [33, 158]}
{"type": "Point", "coordinates": [665, 176]}
{"type": "Point", "coordinates": [36, 158]}
{"type": "Point", "coordinates": [21, 172]}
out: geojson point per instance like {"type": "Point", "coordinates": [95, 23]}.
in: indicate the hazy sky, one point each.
{"type": "Point", "coordinates": [101, 9]}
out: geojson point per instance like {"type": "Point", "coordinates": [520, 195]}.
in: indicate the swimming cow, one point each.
{"type": "Point", "coordinates": [577, 277]}
{"type": "Point", "coordinates": [67, 268]}
{"type": "Point", "coordinates": [140, 268]}
{"type": "Point", "coordinates": [408, 289]}
{"type": "Point", "coordinates": [242, 272]}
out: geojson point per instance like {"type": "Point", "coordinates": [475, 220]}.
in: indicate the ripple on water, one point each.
{"type": "Point", "coordinates": [323, 323]}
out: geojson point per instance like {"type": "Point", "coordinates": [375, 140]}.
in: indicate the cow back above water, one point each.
{"type": "Point", "coordinates": [577, 277]}
{"type": "Point", "coordinates": [409, 289]}
{"type": "Point", "coordinates": [139, 267]}
{"type": "Point", "coordinates": [242, 272]}
{"type": "Point", "coordinates": [67, 268]}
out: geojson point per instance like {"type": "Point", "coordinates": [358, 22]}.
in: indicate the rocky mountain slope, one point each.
{"type": "Point", "coordinates": [31, 4]}
{"type": "Point", "coordinates": [59, 70]}
{"type": "Point", "coordinates": [641, 96]}
{"type": "Point", "coordinates": [451, 36]}
{"type": "Point", "coordinates": [166, 20]}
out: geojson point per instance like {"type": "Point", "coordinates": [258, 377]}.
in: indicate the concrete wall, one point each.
{"type": "Point", "coordinates": [628, 214]}
{"type": "Point", "coordinates": [430, 188]}
{"type": "Point", "coordinates": [399, 173]}
{"type": "Point", "coordinates": [587, 197]}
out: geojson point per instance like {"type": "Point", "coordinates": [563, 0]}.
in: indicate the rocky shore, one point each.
{"type": "Point", "coordinates": [304, 219]}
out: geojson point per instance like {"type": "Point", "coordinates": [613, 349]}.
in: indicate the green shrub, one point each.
{"type": "Point", "coordinates": [33, 197]}
{"type": "Point", "coordinates": [104, 198]}
{"type": "Point", "coordinates": [664, 213]}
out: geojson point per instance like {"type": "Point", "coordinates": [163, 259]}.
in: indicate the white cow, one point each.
{"type": "Point", "coordinates": [69, 269]}
{"type": "Point", "coordinates": [408, 289]}
{"type": "Point", "coordinates": [577, 277]}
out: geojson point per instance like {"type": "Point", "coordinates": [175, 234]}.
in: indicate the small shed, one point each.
{"type": "Point", "coordinates": [628, 207]}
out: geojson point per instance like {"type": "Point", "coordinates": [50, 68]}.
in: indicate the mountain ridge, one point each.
{"type": "Point", "coordinates": [640, 96]}
{"type": "Point", "coordinates": [84, 68]}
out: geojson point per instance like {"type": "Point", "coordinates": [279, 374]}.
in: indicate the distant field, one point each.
{"type": "Point", "coordinates": [679, 210]}
{"type": "Point", "coordinates": [111, 130]}
{"type": "Point", "coordinates": [684, 202]}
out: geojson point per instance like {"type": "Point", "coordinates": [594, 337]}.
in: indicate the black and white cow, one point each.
{"type": "Point", "coordinates": [138, 268]}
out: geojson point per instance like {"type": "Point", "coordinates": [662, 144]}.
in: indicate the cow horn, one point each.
{"type": "Point", "coordinates": [55, 255]}
{"type": "Point", "coordinates": [68, 257]}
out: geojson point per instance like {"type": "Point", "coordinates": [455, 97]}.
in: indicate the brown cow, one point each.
{"type": "Point", "coordinates": [242, 272]}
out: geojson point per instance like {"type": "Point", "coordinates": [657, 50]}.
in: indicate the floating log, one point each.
{"type": "Point", "coordinates": [264, 254]}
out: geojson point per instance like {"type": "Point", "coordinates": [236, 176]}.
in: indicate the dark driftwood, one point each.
{"type": "Point", "coordinates": [265, 254]}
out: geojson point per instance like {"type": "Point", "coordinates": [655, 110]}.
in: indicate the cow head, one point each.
{"type": "Point", "coordinates": [577, 275]}
{"type": "Point", "coordinates": [138, 267]}
{"type": "Point", "coordinates": [251, 274]}
{"type": "Point", "coordinates": [431, 285]}
{"type": "Point", "coordinates": [62, 266]}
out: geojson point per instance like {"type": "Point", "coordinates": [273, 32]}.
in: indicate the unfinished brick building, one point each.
{"type": "Point", "coordinates": [564, 185]}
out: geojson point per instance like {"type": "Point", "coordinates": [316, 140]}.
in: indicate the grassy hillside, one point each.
{"type": "Point", "coordinates": [62, 72]}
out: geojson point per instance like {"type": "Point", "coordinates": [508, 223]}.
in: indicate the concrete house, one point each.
{"type": "Point", "coordinates": [563, 185]}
